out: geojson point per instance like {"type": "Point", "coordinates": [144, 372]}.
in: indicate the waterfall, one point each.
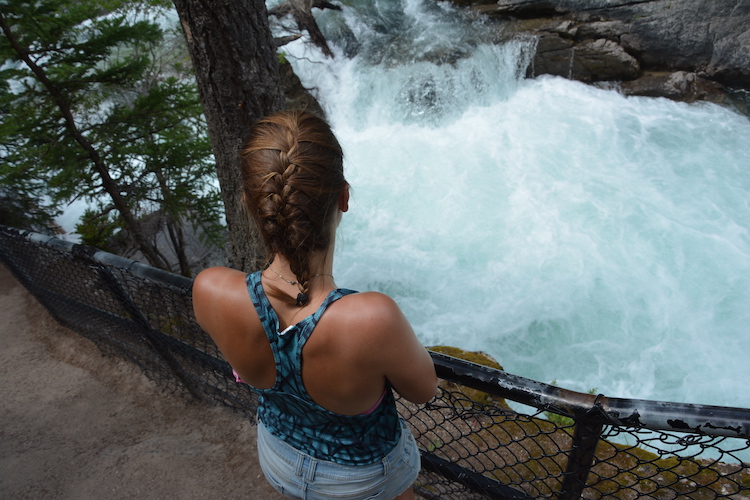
{"type": "Point", "coordinates": [574, 234]}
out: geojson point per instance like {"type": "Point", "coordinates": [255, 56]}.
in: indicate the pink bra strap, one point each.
{"type": "Point", "coordinates": [375, 406]}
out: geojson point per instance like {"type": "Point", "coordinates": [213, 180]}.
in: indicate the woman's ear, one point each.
{"type": "Point", "coordinates": [344, 198]}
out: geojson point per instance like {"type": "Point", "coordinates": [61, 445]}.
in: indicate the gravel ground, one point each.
{"type": "Point", "coordinates": [77, 425]}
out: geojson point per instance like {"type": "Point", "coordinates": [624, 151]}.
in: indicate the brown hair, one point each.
{"type": "Point", "coordinates": [292, 175]}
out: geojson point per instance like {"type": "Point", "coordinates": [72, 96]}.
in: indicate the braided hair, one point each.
{"type": "Point", "coordinates": [292, 175]}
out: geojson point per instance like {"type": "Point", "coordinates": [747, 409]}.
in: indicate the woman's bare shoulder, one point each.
{"type": "Point", "coordinates": [383, 338]}
{"type": "Point", "coordinates": [216, 291]}
{"type": "Point", "coordinates": [374, 304]}
{"type": "Point", "coordinates": [214, 277]}
{"type": "Point", "coordinates": [373, 313]}
{"type": "Point", "coordinates": [218, 283]}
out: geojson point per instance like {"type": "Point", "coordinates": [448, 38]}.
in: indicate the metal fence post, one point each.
{"type": "Point", "coordinates": [581, 458]}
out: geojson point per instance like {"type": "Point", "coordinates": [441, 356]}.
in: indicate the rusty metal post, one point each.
{"type": "Point", "coordinates": [581, 458]}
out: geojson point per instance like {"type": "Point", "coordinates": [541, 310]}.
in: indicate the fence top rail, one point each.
{"type": "Point", "coordinates": [638, 413]}
{"type": "Point", "coordinates": [621, 412]}
{"type": "Point", "coordinates": [134, 267]}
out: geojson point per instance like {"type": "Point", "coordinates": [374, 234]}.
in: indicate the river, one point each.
{"type": "Point", "coordinates": [576, 235]}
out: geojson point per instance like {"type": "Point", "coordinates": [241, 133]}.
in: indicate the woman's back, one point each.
{"type": "Point", "coordinates": [360, 341]}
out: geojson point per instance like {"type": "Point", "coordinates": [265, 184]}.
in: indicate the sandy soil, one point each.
{"type": "Point", "coordinates": [77, 425]}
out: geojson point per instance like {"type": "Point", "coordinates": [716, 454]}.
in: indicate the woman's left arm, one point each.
{"type": "Point", "coordinates": [404, 360]}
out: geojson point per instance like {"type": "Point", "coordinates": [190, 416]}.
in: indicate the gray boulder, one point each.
{"type": "Point", "coordinates": [681, 49]}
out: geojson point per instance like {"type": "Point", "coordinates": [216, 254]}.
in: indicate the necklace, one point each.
{"type": "Point", "coordinates": [302, 298]}
{"type": "Point", "coordinates": [296, 282]}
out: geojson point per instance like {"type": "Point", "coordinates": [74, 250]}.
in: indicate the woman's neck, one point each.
{"type": "Point", "coordinates": [320, 264]}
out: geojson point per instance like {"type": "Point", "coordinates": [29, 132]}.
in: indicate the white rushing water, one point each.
{"type": "Point", "coordinates": [574, 234]}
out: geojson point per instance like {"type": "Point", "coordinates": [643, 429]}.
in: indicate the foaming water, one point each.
{"type": "Point", "coordinates": [574, 234]}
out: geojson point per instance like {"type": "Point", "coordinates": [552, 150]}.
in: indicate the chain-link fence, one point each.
{"type": "Point", "coordinates": [489, 434]}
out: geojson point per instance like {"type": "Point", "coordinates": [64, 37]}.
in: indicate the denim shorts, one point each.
{"type": "Point", "coordinates": [298, 475]}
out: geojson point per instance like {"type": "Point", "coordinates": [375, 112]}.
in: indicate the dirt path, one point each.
{"type": "Point", "coordinates": [77, 425]}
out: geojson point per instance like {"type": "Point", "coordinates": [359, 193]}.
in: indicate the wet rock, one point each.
{"type": "Point", "coordinates": [678, 85]}
{"type": "Point", "coordinates": [687, 49]}
{"type": "Point", "coordinates": [588, 61]}
{"type": "Point", "coordinates": [602, 60]}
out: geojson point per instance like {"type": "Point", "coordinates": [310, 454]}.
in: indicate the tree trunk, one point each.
{"type": "Point", "coordinates": [237, 70]}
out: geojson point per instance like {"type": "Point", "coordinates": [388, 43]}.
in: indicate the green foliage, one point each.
{"type": "Point", "coordinates": [96, 229]}
{"type": "Point", "coordinates": [95, 104]}
{"type": "Point", "coordinates": [559, 420]}
{"type": "Point", "coordinates": [21, 210]}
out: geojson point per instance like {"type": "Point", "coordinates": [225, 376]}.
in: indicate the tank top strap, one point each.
{"type": "Point", "coordinates": [266, 313]}
{"type": "Point", "coordinates": [308, 324]}
{"type": "Point", "coordinates": [270, 320]}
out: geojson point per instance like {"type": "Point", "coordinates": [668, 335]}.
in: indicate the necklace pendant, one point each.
{"type": "Point", "coordinates": [281, 277]}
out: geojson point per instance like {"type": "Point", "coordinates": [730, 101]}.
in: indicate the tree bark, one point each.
{"type": "Point", "coordinates": [237, 70]}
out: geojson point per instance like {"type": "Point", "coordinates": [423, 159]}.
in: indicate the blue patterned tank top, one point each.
{"type": "Point", "coordinates": [290, 414]}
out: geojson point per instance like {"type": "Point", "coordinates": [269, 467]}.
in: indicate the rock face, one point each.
{"type": "Point", "coordinates": [681, 49]}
